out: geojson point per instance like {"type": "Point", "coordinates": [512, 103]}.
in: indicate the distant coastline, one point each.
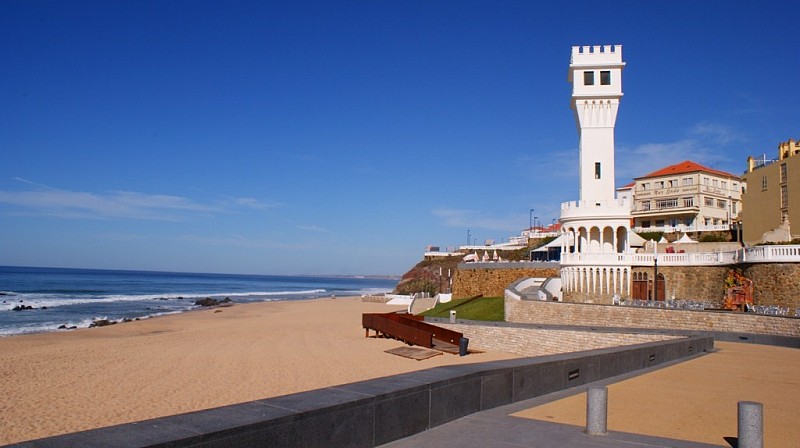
{"type": "Point", "coordinates": [36, 299]}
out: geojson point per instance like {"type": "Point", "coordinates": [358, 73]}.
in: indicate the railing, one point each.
{"type": "Point", "coordinates": [766, 254]}
{"type": "Point", "coordinates": [768, 310]}
{"type": "Point", "coordinates": [615, 208]}
{"type": "Point", "coordinates": [664, 259]}
{"type": "Point", "coordinates": [758, 254]}
{"type": "Point", "coordinates": [684, 228]}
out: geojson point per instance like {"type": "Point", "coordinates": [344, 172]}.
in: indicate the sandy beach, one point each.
{"type": "Point", "coordinates": [55, 383]}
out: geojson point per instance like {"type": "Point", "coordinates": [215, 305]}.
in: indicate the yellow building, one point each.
{"type": "Point", "coordinates": [771, 201]}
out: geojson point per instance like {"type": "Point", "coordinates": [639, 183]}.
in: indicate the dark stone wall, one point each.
{"type": "Point", "coordinates": [491, 282]}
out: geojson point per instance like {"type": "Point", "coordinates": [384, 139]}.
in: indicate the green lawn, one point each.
{"type": "Point", "coordinates": [484, 308]}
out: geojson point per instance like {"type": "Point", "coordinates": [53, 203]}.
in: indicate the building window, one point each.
{"type": "Point", "coordinates": [724, 185]}
{"type": "Point", "coordinates": [706, 181]}
{"type": "Point", "coordinates": [660, 184]}
{"type": "Point", "coordinates": [659, 223]}
{"type": "Point", "coordinates": [588, 78]}
{"type": "Point", "coordinates": [687, 222]}
{"type": "Point", "coordinates": [721, 203]}
{"type": "Point", "coordinates": [733, 207]}
{"type": "Point", "coordinates": [597, 170]}
{"type": "Point", "coordinates": [667, 203]}
{"type": "Point", "coordinates": [688, 181]}
{"type": "Point", "coordinates": [784, 196]}
{"type": "Point", "coordinates": [673, 183]}
{"type": "Point", "coordinates": [645, 224]}
{"type": "Point", "coordinates": [688, 202]}
{"type": "Point", "coordinates": [646, 186]}
{"type": "Point", "coordinates": [709, 202]}
{"type": "Point", "coordinates": [605, 78]}
{"type": "Point", "coordinates": [763, 182]}
{"type": "Point", "coordinates": [783, 173]}
{"type": "Point", "coordinates": [644, 206]}
{"type": "Point", "coordinates": [716, 183]}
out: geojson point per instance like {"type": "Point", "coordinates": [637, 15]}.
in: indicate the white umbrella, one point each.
{"type": "Point", "coordinates": [494, 257]}
{"type": "Point", "coordinates": [685, 239]}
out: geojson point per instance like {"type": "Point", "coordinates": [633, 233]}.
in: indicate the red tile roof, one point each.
{"type": "Point", "coordinates": [687, 166]}
{"type": "Point", "coordinates": [626, 186]}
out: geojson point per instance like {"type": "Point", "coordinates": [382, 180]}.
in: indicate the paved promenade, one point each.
{"type": "Point", "coordinates": [689, 404]}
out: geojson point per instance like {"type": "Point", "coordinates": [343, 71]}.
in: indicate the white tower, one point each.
{"type": "Point", "coordinates": [597, 227]}
{"type": "Point", "coordinates": [596, 77]}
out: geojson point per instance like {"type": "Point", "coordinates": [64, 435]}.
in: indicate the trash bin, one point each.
{"type": "Point", "coordinates": [452, 316]}
{"type": "Point", "coordinates": [462, 346]}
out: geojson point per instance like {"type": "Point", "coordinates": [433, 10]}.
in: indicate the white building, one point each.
{"type": "Point", "coordinates": [598, 223]}
{"type": "Point", "coordinates": [686, 197]}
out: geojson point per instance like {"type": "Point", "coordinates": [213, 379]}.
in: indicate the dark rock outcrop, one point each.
{"type": "Point", "coordinates": [22, 308]}
{"type": "Point", "coordinates": [208, 301]}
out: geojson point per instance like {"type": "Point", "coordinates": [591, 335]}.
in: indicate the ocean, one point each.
{"type": "Point", "coordinates": [65, 298]}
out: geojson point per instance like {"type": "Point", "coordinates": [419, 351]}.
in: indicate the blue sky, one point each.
{"type": "Point", "coordinates": [343, 137]}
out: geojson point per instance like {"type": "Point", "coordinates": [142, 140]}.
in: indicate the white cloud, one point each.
{"type": "Point", "coordinates": [707, 144]}
{"type": "Point", "coordinates": [254, 204]}
{"type": "Point", "coordinates": [716, 133]}
{"type": "Point", "coordinates": [313, 228]}
{"type": "Point", "coordinates": [44, 200]}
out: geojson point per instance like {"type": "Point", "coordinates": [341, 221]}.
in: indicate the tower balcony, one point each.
{"type": "Point", "coordinates": [616, 208]}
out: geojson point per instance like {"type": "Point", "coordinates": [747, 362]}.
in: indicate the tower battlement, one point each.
{"type": "Point", "coordinates": [594, 55]}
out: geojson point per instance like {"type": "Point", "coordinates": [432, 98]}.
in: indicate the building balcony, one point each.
{"type": "Point", "coordinates": [665, 211]}
{"type": "Point", "coordinates": [617, 208]}
{"type": "Point", "coordinates": [684, 228]}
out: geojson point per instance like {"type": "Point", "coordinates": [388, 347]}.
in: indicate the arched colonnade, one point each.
{"type": "Point", "coordinates": [595, 239]}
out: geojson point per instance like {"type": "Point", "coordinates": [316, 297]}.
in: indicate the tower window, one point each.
{"type": "Point", "coordinates": [605, 78]}
{"type": "Point", "coordinates": [588, 78]}
{"type": "Point", "coordinates": [597, 170]}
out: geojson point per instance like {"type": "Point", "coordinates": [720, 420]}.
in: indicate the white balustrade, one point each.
{"type": "Point", "coordinates": [758, 254]}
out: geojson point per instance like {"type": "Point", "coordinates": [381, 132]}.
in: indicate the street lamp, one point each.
{"type": "Point", "coordinates": [468, 237]}
{"type": "Point", "coordinates": [534, 222]}
{"type": "Point", "coordinates": [655, 273]}
{"type": "Point", "coordinates": [530, 222]}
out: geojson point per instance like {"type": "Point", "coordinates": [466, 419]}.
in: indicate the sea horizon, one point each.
{"type": "Point", "coordinates": [45, 299]}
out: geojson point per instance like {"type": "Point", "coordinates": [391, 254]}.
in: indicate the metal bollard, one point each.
{"type": "Point", "coordinates": [463, 346]}
{"type": "Point", "coordinates": [452, 316]}
{"type": "Point", "coordinates": [751, 424]}
{"type": "Point", "coordinates": [597, 411]}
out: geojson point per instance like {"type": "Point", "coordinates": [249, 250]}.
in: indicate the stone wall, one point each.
{"type": "Point", "coordinates": [540, 342]}
{"type": "Point", "coordinates": [493, 282]}
{"type": "Point", "coordinates": [775, 283]}
{"type": "Point", "coordinates": [700, 283]}
{"type": "Point", "coordinates": [582, 314]}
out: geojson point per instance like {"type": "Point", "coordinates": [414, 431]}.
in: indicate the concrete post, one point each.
{"type": "Point", "coordinates": [597, 411]}
{"type": "Point", "coordinates": [452, 316]}
{"type": "Point", "coordinates": [751, 424]}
